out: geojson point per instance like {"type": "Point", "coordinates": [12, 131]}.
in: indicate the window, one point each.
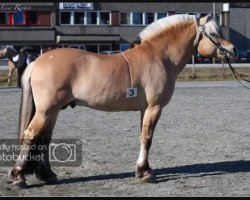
{"type": "Point", "coordinates": [97, 48]}
{"type": "Point", "coordinates": [92, 48]}
{"type": "Point", "coordinates": [26, 18]}
{"type": "Point", "coordinates": [137, 18]}
{"type": "Point", "coordinates": [3, 18]}
{"type": "Point", "coordinates": [74, 46]}
{"type": "Point", "coordinates": [171, 13]}
{"type": "Point", "coordinates": [19, 18]}
{"type": "Point", "coordinates": [44, 18]}
{"type": "Point", "coordinates": [65, 17]}
{"type": "Point", "coordinates": [81, 46]}
{"type": "Point", "coordinates": [91, 18]}
{"type": "Point", "coordinates": [217, 18]}
{"type": "Point", "coordinates": [32, 18]}
{"type": "Point", "coordinates": [79, 17]}
{"type": "Point", "coordinates": [104, 18]}
{"type": "Point", "coordinates": [104, 47]}
{"type": "Point", "coordinates": [125, 18]}
{"type": "Point", "coordinates": [124, 47]}
{"type": "Point", "coordinates": [161, 15]}
{"type": "Point", "coordinates": [149, 18]}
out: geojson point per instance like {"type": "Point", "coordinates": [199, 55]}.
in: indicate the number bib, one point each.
{"type": "Point", "coordinates": [131, 92]}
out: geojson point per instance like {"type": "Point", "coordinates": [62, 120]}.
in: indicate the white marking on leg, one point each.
{"type": "Point", "coordinates": [18, 168]}
{"type": "Point", "coordinates": [142, 156]}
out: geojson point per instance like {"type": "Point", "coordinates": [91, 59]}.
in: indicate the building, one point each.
{"type": "Point", "coordinates": [239, 23]}
{"type": "Point", "coordinates": [103, 26]}
{"type": "Point", "coordinates": [28, 24]}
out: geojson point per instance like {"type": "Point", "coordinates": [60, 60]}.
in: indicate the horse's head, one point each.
{"type": "Point", "coordinates": [211, 41]}
{"type": "Point", "coordinates": [8, 52]}
{"type": "Point", "coordinates": [3, 52]}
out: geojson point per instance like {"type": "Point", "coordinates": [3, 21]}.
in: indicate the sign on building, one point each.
{"type": "Point", "coordinates": [76, 6]}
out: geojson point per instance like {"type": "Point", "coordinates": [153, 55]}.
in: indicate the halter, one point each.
{"type": "Point", "coordinates": [223, 51]}
{"type": "Point", "coordinates": [201, 28]}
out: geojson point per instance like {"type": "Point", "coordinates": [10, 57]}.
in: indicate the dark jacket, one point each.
{"type": "Point", "coordinates": [21, 63]}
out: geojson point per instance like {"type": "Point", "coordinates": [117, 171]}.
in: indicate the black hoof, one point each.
{"type": "Point", "coordinates": [20, 184]}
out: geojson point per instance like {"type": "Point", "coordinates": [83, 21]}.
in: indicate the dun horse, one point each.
{"type": "Point", "coordinates": [140, 79]}
{"type": "Point", "coordinates": [9, 53]}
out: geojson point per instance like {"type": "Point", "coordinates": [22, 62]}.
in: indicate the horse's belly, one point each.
{"type": "Point", "coordinates": [112, 103]}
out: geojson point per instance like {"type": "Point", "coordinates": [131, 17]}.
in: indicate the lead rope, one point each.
{"type": "Point", "coordinates": [131, 81]}
{"type": "Point", "coordinates": [236, 74]}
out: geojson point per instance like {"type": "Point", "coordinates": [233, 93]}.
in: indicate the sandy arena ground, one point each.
{"type": "Point", "coordinates": [201, 146]}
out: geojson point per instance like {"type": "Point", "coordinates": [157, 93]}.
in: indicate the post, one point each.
{"type": "Point", "coordinates": [223, 69]}
{"type": "Point", "coordinates": [41, 49]}
{"type": "Point", "coordinates": [214, 11]}
{"type": "Point", "coordinates": [226, 7]}
{"type": "Point", "coordinates": [193, 68]}
{"type": "Point", "coordinates": [214, 16]}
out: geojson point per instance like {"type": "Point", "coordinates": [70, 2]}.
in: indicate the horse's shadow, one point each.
{"type": "Point", "coordinates": [173, 173]}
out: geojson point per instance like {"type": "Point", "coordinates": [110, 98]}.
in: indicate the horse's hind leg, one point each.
{"type": "Point", "coordinates": [31, 134]}
{"type": "Point", "coordinates": [150, 119]}
{"type": "Point", "coordinates": [43, 170]}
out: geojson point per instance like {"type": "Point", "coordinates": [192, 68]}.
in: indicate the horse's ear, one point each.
{"type": "Point", "coordinates": [208, 17]}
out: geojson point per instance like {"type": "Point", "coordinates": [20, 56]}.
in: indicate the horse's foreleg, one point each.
{"type": "Point", "coordinates": [150, 118]}
{"type": "Point", "coordinates": [11, 70]}
{"type": "Point", "coordinates": [10, 76]}
{"type": "Point", "coordinates": [31, 134]}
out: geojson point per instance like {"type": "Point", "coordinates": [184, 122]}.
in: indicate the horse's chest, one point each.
{"type": "Point", "coordinates": [161, 94]}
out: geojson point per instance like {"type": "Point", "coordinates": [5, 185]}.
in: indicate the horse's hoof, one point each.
{"type": "Point", "coordinates": [49, 177]}
{"type": "Point", "coordinates": [17, 179]}
{"type": "Point", "coordinates": [145, 176]}
{"type": "Point", "coordinates": [52, 180]}
{"type": "Point", "coordinates": [149, 178]}
{"type": "Point", "coordinates": [10, 175]}
{"type": "Point", "coordinates": [20, 184]}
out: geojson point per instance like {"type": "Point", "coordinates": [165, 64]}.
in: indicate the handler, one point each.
{"type": "Point", "coordinates": [21, 64]}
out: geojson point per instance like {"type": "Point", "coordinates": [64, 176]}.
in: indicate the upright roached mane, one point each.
{"type": "Point", "coordinates": [162, 24]}
{"type": "Point", "coordinates": [69, 76]}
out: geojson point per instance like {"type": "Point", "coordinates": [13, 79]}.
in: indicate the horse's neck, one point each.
{"type": "Point", "coordinates": [175, 47]}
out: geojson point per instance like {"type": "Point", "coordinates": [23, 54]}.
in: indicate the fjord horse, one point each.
{"type": "Point", "coordinates": [9, 52]}
{"type": "Point", "coordinates": [139, 79]}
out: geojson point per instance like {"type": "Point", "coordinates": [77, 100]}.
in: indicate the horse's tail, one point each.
{"type": "Point", "coordinates": [27, 106]}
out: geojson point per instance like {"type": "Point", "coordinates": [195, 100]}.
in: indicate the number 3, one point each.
{"type": "Point", "coordinates": [131, 92]}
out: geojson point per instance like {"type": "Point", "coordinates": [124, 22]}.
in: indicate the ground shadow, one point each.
{"type": "Point", "coordinates": [178, 172]}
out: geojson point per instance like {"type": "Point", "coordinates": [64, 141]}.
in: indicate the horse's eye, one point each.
{"type": "Point", "coordinates": [213, 34]}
